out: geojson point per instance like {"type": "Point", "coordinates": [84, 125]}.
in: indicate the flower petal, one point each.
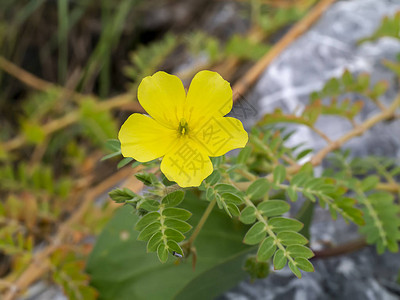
{"type": "Point", "coordinates": [144, 139]}
{"type": "Point", "coordinates": [186, 163]}
{"type": "Point", "coordinates": [209, 95]}
{"type": "Point", "coordinates": [221, 135]}
{"type": "Point", "coordinates": [163, 96]}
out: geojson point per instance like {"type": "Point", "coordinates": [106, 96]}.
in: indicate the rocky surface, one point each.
{"type": "Point", "coordinates": [323, 52]}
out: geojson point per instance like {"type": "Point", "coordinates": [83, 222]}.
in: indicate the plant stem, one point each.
{"type": "Point", "coordinates": [202, 221]}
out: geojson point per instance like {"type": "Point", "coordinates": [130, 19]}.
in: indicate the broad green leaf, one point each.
{"type": "Point", "coordinates": [173, 199]}
{"type": "Point", "coordinates": [217, 268]}
{"type": "Point", "coordinates": [248, 215]}
{"type": "Point", "coordinates": [291, 238]}
{"type": "Point", "coordinates": [279, 174]}
{"type": "Point", "coordinates": [177, 213]}
{"type": "Point", "coordinates": [299, 251]}
{"type": "Point", "coordinates": [304, 264]}
{"type": "Point", "coordinates": [273, 208]}
{"type": "Point", "coordinates": [258, 189]}
{"type": "Point", "coordinates": [148, 231]}
{"type": "Point", "coordinates": [279, 260]}
{"type": "Point", "coordinates": [162, 253]}
{"type": "Point", "coordinates": [255, 234]}
{"type": "Point", "coordinates": [146, 220]}
{"type": "Point", "coordinates": [279, 224]}
{"type": "Point", "coordinates": [176, 224]}
{"type": "Point", "coordinates": [267, 249]}
{"type": "Point", "coordinates": [294, 269]}
{"type": "Point", "coordinates": [154, 241]}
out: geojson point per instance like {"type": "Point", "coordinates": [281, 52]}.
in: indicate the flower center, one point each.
{"type": "Point", "coordinates": [183, 127]}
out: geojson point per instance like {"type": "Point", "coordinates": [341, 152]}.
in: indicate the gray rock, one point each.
{"type": "Point", "coordinates": [325, 51]}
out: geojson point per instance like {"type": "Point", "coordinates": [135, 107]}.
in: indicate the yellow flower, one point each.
{"type": "Point", "coordinates": [184, 129]}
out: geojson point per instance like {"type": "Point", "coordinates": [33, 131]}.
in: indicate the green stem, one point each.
{"type": "Point", "coordinates": [202, 221]}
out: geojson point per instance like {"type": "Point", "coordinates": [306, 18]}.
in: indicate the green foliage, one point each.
{"type": "Point", "coordinates": [332, 91]}
{"type": "Point", "coordinates": [382, 225]}
{"type": "Point", "coordinates": [98, 124]}
{"type": "Point", "coordinates": [68, 272]}
{"type": "Point", "coordinates": [243, 47]}
{"type": "Point", "coordinates": [217, 268]}
{"type": "Point", "coordinates": [146, 59]}
{"type": "Point", "coordinates": [389, 27]}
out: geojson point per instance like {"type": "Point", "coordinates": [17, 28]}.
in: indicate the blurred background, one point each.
{"type": "Point", "coordinates": [69, 72]}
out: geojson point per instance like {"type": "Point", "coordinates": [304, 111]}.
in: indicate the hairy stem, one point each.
{"type": "Point", "coordinates": [202, 221]}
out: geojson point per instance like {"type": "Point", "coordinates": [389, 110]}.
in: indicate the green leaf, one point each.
{"type": "Point", "coordinates": [248, 215]}
{"type": "Point", "coordinates": [369, 183]}
{"type": "Point", "coordinates": [258, 189]}
{"type": "Point", "coordinates": [233, 209]}
{"type": "Point", "coordinates": [267, 249]}
{"type": "Point", "coordinates": [149, 230]}
{"type": "Point", "coordinates": [124, 162]}
{"type": "Point", "coordinates": [149, 205]}
{"type": "Point", "coordinates": [147, 219]}
{"type": "Point", "coordinates": [279, 224]}
{"type": "Point", "coordinates": [176, 224]}
{"type": "Point", "coordinates": [177, 213]}
{"type": "Point", "coordinates": [217, 268]}
{"type": "Point", "coordinates": [213, 178]}
{"type": "Point", "coordinates": [173, 199]}
{"type": "Point", "coordinates": [244, 155]}
{"type": "Point", "coordinates": [232, 198]}
{"type": "Point", "coordinates": [292, 193]}
{"type": "Point", "coordinates": [291, 238]}
{"type": "Point", "coordinates": [122, 195]}
{"type": "Point", "coordinates": [279, 174]}
{"type": "Point", "coordinates": [113, 145]}
{"type": "Point", "coordinates": [279, 260]}
{"type": "Point", "coordinates": [273, 208]}
{"type": "Point", "coordinates": [226, 188]}
{"type": "Point", "coordinates": [162, 253]}
{"type": "Point", "coordinates": [174, 235]}
{"type": "Point", "coordinates": [154, 241]}
{"type": "Point", "coordinates": [255, 234]}
{"type": "Point", "coordinates": [299, 251]}
{"type": "Point", "coordinates": [173, 246]}
{"type": "Point", "coordinates": [304, 264]}
{"type": "Point", "coordinates": [148, 179]}
{"type": "Point", "coordinates": [294, 269]}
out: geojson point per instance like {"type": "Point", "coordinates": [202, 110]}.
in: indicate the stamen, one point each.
{"type": "Point", "coordinates": [183, 127]}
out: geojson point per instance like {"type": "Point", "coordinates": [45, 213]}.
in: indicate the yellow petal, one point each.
{"type": "Point", "coordinates": [221, 135]}
{"type": "Point", "coordinates": [209, 96]}
{"type": "Point", "coordinates": [186, 163]}
{"type": "Point", "coordinates": [144, 139]}
{"type": "Point", "coordinates": [162, 96]}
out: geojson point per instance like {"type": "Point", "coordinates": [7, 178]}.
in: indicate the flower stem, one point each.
{"type": "Point", "coordinates": [202, 221]}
